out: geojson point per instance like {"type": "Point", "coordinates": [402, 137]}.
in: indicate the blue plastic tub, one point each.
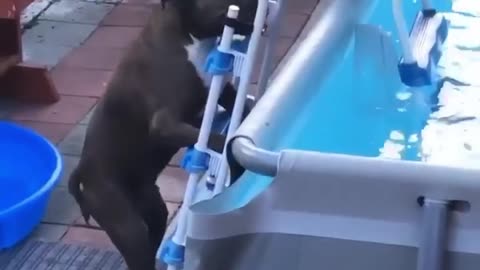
{"type": "Point", "coordinates": [30, 166]}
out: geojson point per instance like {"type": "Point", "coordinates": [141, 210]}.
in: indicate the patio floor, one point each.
{"type": "Point", "coordinates": [81, 42]}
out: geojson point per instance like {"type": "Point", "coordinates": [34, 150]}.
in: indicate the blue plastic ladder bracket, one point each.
{"type": "Point", "coordinates": [241, 45]}
{"type": "Point", "coordinates": [173, 254]}
{"type": "Point", "coordinates": [195, 161]}
{"type": "Point", "coordinates": [427, 36]}
{"type": "Point", "coordinates": [219, 63]}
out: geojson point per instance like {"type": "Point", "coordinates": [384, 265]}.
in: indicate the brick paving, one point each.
{"type": "Point", "coordinates": [81, 41]}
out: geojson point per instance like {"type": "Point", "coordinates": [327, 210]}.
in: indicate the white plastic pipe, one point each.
{"type": "Point", "coordinates": [402, 31]}
{"type": "Point", "coordinates": [179, 237]}
{"type": "Point", "coordinates": [242, 91]}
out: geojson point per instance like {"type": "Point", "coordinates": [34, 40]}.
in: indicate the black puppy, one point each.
{"type": "Point", "coordinates": [145, 117]}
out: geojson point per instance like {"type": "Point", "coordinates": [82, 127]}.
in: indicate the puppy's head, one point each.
{"type": "Point", "coordinates": [206, 18]}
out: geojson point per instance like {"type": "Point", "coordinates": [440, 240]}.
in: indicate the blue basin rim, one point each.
{"type": "Point", "coordinates": [54, 177]}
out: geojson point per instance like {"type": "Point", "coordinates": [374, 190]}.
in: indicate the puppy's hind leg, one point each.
{"type": "Point", "coordinates": [153, 209]}
{"type": "Point", "coordinates": [75, 189]}
{"type": "Point", "coordinates": [116, 214]}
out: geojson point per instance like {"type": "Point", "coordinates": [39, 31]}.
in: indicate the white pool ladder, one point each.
{"type": "Point", "coordinates": [203, 160]}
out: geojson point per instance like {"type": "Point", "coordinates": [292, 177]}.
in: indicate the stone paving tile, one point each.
{"type": "Point", "coordinates": [128, 15]}
{"type": "Point", "coordinates": [39, 255]}
{"type": "Point", "coordinates": [311, 23]}
{"type": "Point", "coordinates": [88, 236]}
{"type": "Point", "coordinates": [54, 132]}
{"type": "Point", "coordinates": [62, 208]}
{"type": "Point", "coordinates": [69, 163]}
{"type": "Point", "coordinates": [33, 10]}
{"type": "Point", "coordinates": [172, 183]}
{"type": "Point", "coordinates": [172, 210]}
{"type": "Point", "coordinates": [292, 24]}
{"type": "Point", "coordinates": [4, 115]}
{"type": "Point", "coordinates": [170, 229]}
{"type": "Point", "coordinates": [87, 118]}
{"type": "Point", "coordinates": [77, 11]}
{"type": "Point", "coordinates": [49, 232]}
{"type": "Point", "coordinates": [104, 1]}
{"type": "Point", "coordinates": [73, 143]}
{"type": "Point", "coordinates": [68, 110]}
{"type": "Point", "coordinates": [140, 2]}
{"type": "Point", "coordinates": [6, 108]}
{"type": "Point", "coordinates": [40, 54]}
{"type": "Point", "coordinates": [81, 82]}
{"type": "Point", "coordinates": [281, 48]}
{"type": "Point", "coordinates": [93, 58]}
{"type": "Point", "coordinates": [119, 37]}
{"type": "Point", "coordinates": [177, 159]}
{"type": "Point", "coordinates": [302, 6]}
{"type": "Point", "coordinates": [81, 222]}
{"type": "Point", "coordinates": [304, 33]}
{"type": "Point", "coordinates": [58, 33]}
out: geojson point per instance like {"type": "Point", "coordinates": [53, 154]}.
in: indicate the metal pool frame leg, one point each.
{"type": "Point", "coordinates": [432, 248]}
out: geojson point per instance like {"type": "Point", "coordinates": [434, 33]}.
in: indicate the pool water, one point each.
{"type": "Point", "coordinates": [451, 134]}
{"type": "Point", "coordinates": [363, 109]}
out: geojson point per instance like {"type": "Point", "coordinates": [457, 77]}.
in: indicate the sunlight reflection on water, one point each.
{"type": "Point", "coordinates": [452, 134]}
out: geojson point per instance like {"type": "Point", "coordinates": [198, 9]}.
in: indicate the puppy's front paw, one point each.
{"type": "Point", "coordinates": [163, 124]}
{"type": "Point", "coordinates": [166, 129]}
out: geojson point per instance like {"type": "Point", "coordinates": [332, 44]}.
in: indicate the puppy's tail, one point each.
{"type": "Point", "coordinates": [75, 189]}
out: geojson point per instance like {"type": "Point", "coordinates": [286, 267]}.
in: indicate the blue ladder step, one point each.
{"type": "Point", "coordinates": [427, 36]}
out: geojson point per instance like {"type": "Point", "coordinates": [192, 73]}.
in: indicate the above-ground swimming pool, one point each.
{"type": "Point", "coordinates": [367, 148]}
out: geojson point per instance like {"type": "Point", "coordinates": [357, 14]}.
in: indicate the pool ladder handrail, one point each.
{"type": "Point", "coordinates": [173, 251]}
